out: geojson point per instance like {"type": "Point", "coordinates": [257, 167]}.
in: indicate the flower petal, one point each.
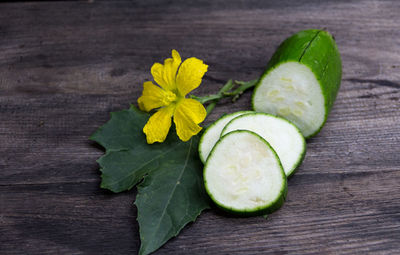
{"type": "Point", "coordinates": [190, 74]}
{"type": "Point", "coordinates": [152, 97]}
{"type": "Point", "coordinates": [157, 127]}
{"type": "Point", "coordinates": [188, 114]}
{"type": "Point", "coordinates": [165, 74]}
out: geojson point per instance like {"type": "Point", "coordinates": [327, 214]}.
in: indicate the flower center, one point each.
{"type": "Point", "coordinates": [169, 98]}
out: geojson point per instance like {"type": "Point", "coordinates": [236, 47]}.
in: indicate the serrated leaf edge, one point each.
{"type": "Point", "coordinates": [144, 165]}
{"type": "Point", "coordinates": [166, 205]}
{"type": "Point", "coordinates": [93, 136]}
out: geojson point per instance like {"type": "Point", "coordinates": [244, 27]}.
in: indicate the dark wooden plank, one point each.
{"type": "Point", "coordinates": [65, 66]}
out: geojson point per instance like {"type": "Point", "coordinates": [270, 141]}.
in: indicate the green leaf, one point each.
{"type": "Point", "coordinates": [172, 193]}
{"type": "Point", "coordinates": [123, 131]}
{"type": "Point", "coordinates": [170, 198]}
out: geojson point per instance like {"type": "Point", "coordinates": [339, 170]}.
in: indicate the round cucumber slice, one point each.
{"type": "Point", "coordinates": [243, 175]}
{"type": "Point", "coordinates": [301, 81]}
{"type": "Point", "coordinates": [213, 133]}
{"type": "Point", "coordinates": [283, 136]}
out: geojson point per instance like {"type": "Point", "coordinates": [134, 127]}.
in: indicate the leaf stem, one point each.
{"type": "Point", "coordinates": [228, 90]}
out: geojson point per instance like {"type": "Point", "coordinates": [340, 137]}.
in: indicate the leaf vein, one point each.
{"type": "Point", "coordinates": [143, 165]}
{"type": "Point", "coordinates": [173, 190]}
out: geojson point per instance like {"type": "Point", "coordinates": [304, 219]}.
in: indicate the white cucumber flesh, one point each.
{"type": "Point", "coordinates": [212, 134]}
{"type": "Point", "coordinates": [284, 137]}
{"type": "Point", "coordinates": [292, 91]}
{"type": "Point", "coordinates": [243, 175]}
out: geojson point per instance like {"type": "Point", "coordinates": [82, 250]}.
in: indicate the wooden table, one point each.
{"type": "Point", "coordinates": [64, 66]}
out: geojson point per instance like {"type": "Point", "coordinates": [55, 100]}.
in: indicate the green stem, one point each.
{"type": "Point", "coordinates": [226, 91]}
{"type": "Point", "coordinates": [215, 97]}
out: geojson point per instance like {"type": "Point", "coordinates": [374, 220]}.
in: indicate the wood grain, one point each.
{"type": "Point", "coordinates": [64, 66]}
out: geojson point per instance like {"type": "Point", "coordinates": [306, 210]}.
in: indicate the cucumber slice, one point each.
{"type": "Point", "coordinates": [213, 133]}
{"type": "Point", "coordinates": [283, 136]}
{"type": "Point", "coordinates": [301, 80]}
{"type": "Point", "coordinates": [243, 175]}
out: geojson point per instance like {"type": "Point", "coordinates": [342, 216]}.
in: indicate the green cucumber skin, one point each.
{"type": "Point", "coordinates": [317, 50]}
{"type": "Point", "coordinates": [258, 211]}
{"type": "Point", "coordinates": [298, 162]}
{"type": "Point", "coordinates": [300, 159]}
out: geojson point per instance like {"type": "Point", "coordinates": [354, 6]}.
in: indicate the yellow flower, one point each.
{"type": "Point", "coordinates": [170, 98]}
